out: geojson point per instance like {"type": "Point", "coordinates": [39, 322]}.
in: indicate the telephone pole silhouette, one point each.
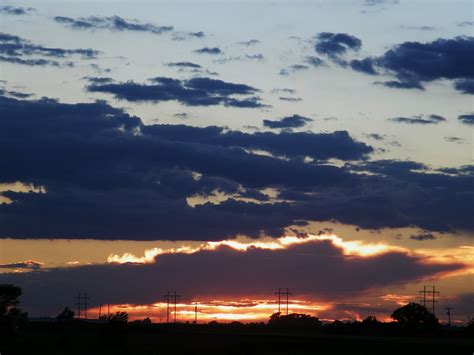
{"type": "Point", "coordinates": [196, 313]}
{"type": "Point", "coordinates": [448, 312]}
{"type": "Point", "coordinates": [433, 293]}
{"type": "Point", "coordinates": [283, 292]}
{"type": "Point", "coordinates": [170, 296]}
{"type": "Point", "coordinates": [82, 304]}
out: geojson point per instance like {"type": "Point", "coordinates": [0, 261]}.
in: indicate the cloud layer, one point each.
{"type": "Point", "coordinates": [112, 23]}
{"type": "Point", "coordinates": [14, 49]}
{"type": "Point", "coordinates": [106, 175]}
{"type": "Point", "coordinates": [192, 92]}
{"type": "Point", "coordinates": [315, 270]}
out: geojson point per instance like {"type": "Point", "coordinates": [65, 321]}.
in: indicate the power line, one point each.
{"type": "Point", "coordinates": [433, 293]}
{"type": "Point", "coordinates": [170, 296]}
{"type": "Point", "coordinates": [283, 292]}
{"type": "Point", "coordinates": [82, 304]}
{"type": "Point", "coordinates": [85, 305]}
{"type": "Point", "coordinates": [78, 303]}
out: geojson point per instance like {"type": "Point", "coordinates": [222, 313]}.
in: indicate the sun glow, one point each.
{"type": "Point", "coordinates": [349, 248]}
{"type": "Point", "coordinates": [247, 310]}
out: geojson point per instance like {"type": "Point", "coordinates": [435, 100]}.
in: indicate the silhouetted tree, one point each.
{"type": "Point", "coordinates": [294, 320]}
{"type": "Point", "coordinates": [119, 317]}
{"type": "Point", "coordinates": [11, 317]}
{"type": "Point", "coordinates": [9, 298]}
{"type": "Point", "coordinates": [370, 320]}
{"type": "Point", "coordinates": [470, 327]}
{"type": "Point", "coordinates": [414, 316]}
{"type": "Point", "coordinates": [66, 315]}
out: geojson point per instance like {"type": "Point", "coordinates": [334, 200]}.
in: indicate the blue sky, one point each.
{"type": "Point", "coordinates": [286, 33]}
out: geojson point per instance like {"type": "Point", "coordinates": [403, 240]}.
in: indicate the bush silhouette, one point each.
{"type": "Point", "coordinates": [66, 315]}
{"type": "Point", "coordinates": [296, 320]}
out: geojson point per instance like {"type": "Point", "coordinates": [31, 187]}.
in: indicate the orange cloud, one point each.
{"type": "Point", "coordinates": [349, 248]}
{"type": "Point", "coordinates": [247, 310]}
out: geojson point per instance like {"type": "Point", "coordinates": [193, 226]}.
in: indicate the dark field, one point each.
{"type": "Point", "coordinates": [51, 338]}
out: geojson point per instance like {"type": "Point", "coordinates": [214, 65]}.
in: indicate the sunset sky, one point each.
{"type": "Point", "coordinates": [226, 149]}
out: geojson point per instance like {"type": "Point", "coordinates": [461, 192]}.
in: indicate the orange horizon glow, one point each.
{"type": "Point", "coordinates": [247, 310]}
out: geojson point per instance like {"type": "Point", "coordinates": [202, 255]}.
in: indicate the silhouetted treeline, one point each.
{"type": "Point", "coordinates": [115, 334]}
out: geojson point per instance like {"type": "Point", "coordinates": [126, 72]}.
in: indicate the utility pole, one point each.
{"type": "Point", "coordinates": [433, 293]}
{"type": "Point", "coordinates": [78, 305]}
{"type": "Point", "coordinates": [82, 304]}
{"type": "Point", "coordinates": [448, 312]}
{"type": "Point", "coordinates": [196, 313]}
{"type": "Point", "coordinates": [283, 292]}
{"type": "Point", "coordinates": [171, 296]}
{"type": "Point", "coordinates": [100, 310]}
{"type": "Point", "coordinates": [85, 305]}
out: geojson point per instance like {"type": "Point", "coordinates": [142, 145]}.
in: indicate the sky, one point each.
{"type": "Point", "coordinates": [226, 149]}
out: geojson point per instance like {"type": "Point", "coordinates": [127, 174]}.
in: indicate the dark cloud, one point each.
{"type": "Point", "coordinates": [415, 193]}
{"type": "Point", "coordinates": [465, 23]}
{"type": "Point", "coordinates": [416, 63]}
{"type": "Point", "coordinates": [419, 28]}
{"type": "Point", "coordinates": [314, 269]}
{"type": "Point", "coordinates": [181, 36]}
{"type": "Point", "coordinates": [251, 42]}
{"type": "Point", "coordinates": [423, 236]}
{"type": "Point", "coordinates": [465, 170]}
{"type": "Point", "coordinates": [35, 62]}
{"type": "Point", "coordinates": [290, 99]}
{"type": "Point", "coordinates": [209, 50]}
{"type": "Point", "coordinates": [401, 85]}
{"type": "Point", "coordinates": [295, 121]}
{"type": "Point", "coordinates": [453, 139]}
{"type": "Point", "coordinates": [293, 69]}
{"type": "Point", "coordinates": [184, 65]}
{"type": "Point", "coordinates": [112, 23]}
{"type": "Point", "coordinates": [465, 86]}
{"type": "Point", "coordinates": [14, 49]}
{"type": "Point", "coordinates": [181, 115]}
{"type": "Point", "coordinates": [15, 94]}
{"type": "Point", "coordinates": [190, 67]}
{"type": "Point", "coordinates": [284, 90]}
{"type": "Point", "coordinates": [420, 119]}
{"type": "Point", "coordinates": [321, 146]}
{"type": "Point", "coordinates": [98, 80]}
{"type": "Point", "coordinates": [247, 57]}
{"type": "Point", "coordinates": [467, 118]}
{"type": "Point", "coordinates": [192, 92]}
{"type": "Point", "coordinates": [106, 175]}
{"type": "Point", "coordinates": [314, 61]}
{"type": "Point", "coordinates": [29, 264]}
{"type": "Point", "coordinates": [12, 10]}
{"type": "Point", "coordinates": [365, 66]}
{"type": "Point", "coordinates": [100, 69]}
{"type": "Point", "coordinates": [336, 44]}
{"type": "Point", "coordinates": [376, 136]}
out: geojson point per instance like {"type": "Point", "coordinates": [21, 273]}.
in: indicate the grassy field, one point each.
{"type": "Point", "coordinates": [191, 339]}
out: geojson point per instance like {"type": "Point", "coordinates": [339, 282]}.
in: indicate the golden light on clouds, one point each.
{"type": "Point", "coordinates": [18, 186]}
{"type": "Point", "coordinates": [349, 248]}
{"type": "Point", "coordinates": [247, 310]}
